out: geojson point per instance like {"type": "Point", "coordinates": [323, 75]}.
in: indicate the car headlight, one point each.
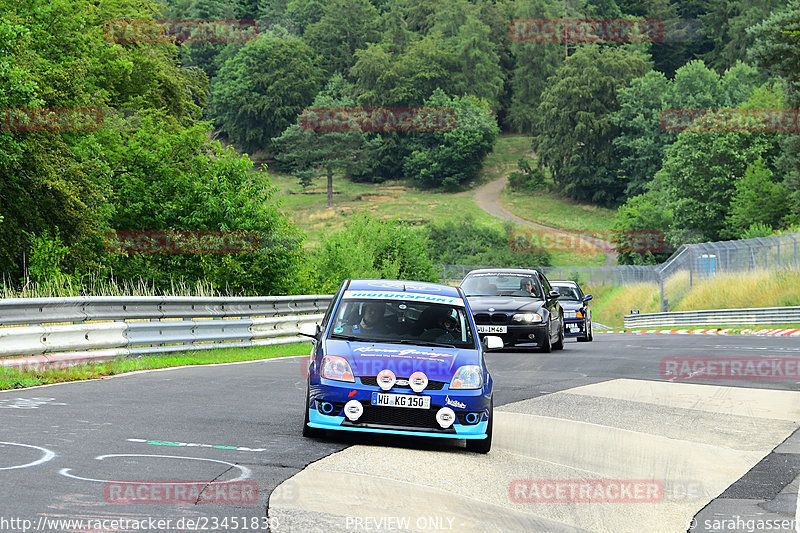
{"type": "Point", "coordinates": [571, 314]}
{"type": "Point", "coordinates": [335, 367]}
{"type": "Point", "coordinates": [467, 377]}
{"type": "Point", "coordinates": [526, 317]}
{"type": "Point", "coordinates": [578, 314]}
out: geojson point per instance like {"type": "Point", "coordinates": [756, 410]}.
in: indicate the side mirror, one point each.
{"type": "Point", "coordinates": [587, 297]}
{"type": "Point", "coordinates": [309, 330]}
{"type": "Point", "coordinates": [491, 342]}
{"type": "Point", "coordinates": [555, 294]}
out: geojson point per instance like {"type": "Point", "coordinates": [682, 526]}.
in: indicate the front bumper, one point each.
{"type": "Point", "coordinates": [574, 327]}
{"type": "Point", "coordinates": [527, 334]}
{"type": "Point", "coordinates": [398, 420]}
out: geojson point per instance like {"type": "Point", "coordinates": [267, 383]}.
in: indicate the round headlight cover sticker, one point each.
{"type": "Point", "coordinates": [418, 381]}
{"type": "Point", "coordinates": [445, 417]}
{"type": "Point", "coordinates": [386, 379]}
{"type": "Point", "coordinates": [353, 410]}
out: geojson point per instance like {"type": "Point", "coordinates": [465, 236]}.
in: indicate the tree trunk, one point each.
{"type": "Point", "coordinates": [330, 187]}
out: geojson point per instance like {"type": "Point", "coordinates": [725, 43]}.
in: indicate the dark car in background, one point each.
{"type": "Point", "coordinates": [517, 305]}
{"type": "Point", "coordinates": [577, 315]}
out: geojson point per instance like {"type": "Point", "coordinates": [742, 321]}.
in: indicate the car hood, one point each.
{"type": "Point", "coordinates": [570, 305]}
{"type": "Point", "coordinates": [367, 359]}
{"type": "Point", "coordinates": [481, 304]}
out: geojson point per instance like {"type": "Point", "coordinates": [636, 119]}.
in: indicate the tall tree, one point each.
{"type": "Point", "coordinates": [345, 26]}
{"type": "Point", "coordinates": [451, 158]}
{"type": "Point", "coordinates": [641, 141]}
{"type": "Point", "coordinates": [309, 154]}
{"type": "Point", "coordinates": [261, 90]}
{"type": "Point", "coordinates": [478, 72]}
{"type": "Point", "coordinates": [776, 49]}
{"type": "Point", "coordinates": [534, 63]}
{"type": "Point", "coordinates": [574, 121]}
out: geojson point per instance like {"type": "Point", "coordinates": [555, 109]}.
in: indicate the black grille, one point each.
{"type": "Point", "coordinates": [494, 318]}
{"type": "Point", "coordinates": [373, 382]}
{"type": "Point", "coordinates": [499, 318]}
{"type": "Point", "coordinates": [422, 419]}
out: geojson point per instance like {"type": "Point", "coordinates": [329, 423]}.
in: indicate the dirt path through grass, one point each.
{"type": "Point", "coordinates": [487, 196]}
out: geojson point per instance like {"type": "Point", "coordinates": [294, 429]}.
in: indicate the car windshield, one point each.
{"type": "Point", "coordinates": [496, 284]}
{"type": "Point", "coordinates": [567, 292]}
{"type": "Point", "coordinates": [403, 322]}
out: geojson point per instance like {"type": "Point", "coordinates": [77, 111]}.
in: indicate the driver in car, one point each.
{"type": "Point", "coordinates": [525, 288]}
{"type": "Point", "coordinates": [371, 319]}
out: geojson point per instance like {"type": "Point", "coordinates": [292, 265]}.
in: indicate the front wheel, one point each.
{"type": "Point", "coordinates": [308, 431]}
{"type": "Point", "coordinates": [546, 347]}
{"type": "Point", "coordinates": [484, 445]}
{"type": "Point", "coordinates": [588, 328]}
{"type": "Point", "coordinates": [559, 344]}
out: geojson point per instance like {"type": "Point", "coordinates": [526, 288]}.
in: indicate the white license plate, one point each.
{"type": "Point", "coordinates": [573, 329]}
{"type": "Point", "coordinates": [491, 329]}
{"type": "Point", "coordinates": [401, 400]}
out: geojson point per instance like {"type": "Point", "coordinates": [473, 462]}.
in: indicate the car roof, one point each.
{"type": "Point", "coordinates": [528, 271]}
{"type": "Point", "coordinates": [564, 282]}
{"type": "Point", "coordinates": [395, 285]}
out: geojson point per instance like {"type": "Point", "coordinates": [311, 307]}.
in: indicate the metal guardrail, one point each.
{"type": "Point", "coordinates": [716, 317]}
{"type": "Point", "coordinates": [72, 330]}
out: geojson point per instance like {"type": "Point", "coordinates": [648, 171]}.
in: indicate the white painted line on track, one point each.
{"type": "Point", "coordinates": [246, 473]}
{"type": "Point", "coordinates": [47, 455]}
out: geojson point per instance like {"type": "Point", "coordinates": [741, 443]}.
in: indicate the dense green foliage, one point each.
{"type": "Point", "coordinates": [575, 130]}
{"type": "Point", "coordinates": [373, 248]}
{"type": "Point", "coordinates": [464, 241]}
{"type": "Point", "coordinates": [596, 112]}
{"type": "Point", "coordinates": [150, 166]}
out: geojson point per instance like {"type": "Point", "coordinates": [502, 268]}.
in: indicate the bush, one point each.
{"type": "Point", "coordinates": [452, 158]}
{"type": "Point", "coordinates": [372, 248]}
{"type": "Point", "coordinates": [527, 179]}
{"type": "Point", "coordinates": [466, 242]}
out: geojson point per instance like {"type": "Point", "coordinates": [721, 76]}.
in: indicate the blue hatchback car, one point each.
{"type": "Point", "coordinates": [402, 358]}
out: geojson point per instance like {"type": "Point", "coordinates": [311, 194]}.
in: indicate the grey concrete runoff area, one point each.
{"type": "Point", "coordinates": [592, 438]}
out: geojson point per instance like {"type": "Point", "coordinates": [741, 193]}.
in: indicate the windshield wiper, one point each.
{"type": "Point", "coordinates": [424, 343]}
{"type": "Point", "coordinates": [346, 337]}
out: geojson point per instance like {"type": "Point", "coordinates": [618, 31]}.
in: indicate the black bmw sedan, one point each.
{"type": "Point", "coordinates": [517, 305]}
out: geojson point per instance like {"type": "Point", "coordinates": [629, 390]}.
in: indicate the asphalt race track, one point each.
{"type": "Point", "coordinates": [719, 455]}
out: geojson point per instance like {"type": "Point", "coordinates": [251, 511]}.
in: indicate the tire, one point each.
{"type": "Point", "coordinates": [308, 431]}
{"type": "Point", "coordinates": [546, 347]}
{"type": "Point", "coordinates": [484, 445]}
{"type": "Point", "coordinates": [591, 332]}
{"type": "Point", "coordinates": [588, 337]}
{"type": "Point", "coordinates": [559, 344]}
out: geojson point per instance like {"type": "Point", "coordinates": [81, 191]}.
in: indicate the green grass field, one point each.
{"type": "Point", "coordinates": [12, 378]}
{"type": "Point", "coordinates": [552, 210]}
{"type": "Point", "coordinates": [401, 199]}
{"type": "Point", "coordinates": [385, 200]}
